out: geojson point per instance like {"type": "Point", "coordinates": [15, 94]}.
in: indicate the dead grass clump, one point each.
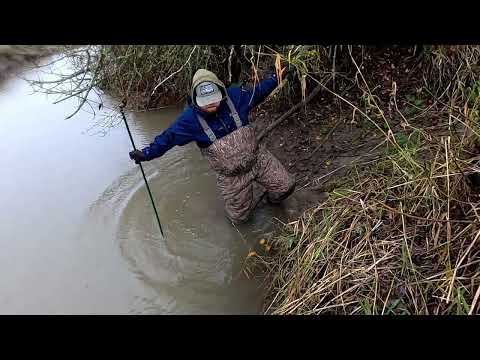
{"type": "Point", "coordinates": [401, 237]}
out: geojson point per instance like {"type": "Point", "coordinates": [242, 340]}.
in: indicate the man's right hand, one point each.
{"type": "Point", "coordinates": [137, 156]}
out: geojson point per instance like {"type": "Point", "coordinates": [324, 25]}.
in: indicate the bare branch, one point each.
{"type": "Point", "coordinates": [92, 83]}
{"type": "Point", "coordinates": [70, 96]}
{"type": "Point", "coordinates": [63, 78]}
{"type": "Point", "coordinates": [176, 72]}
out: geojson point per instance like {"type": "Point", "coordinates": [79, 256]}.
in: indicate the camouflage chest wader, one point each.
{"type": "Point", "coordinates": [238, 161]}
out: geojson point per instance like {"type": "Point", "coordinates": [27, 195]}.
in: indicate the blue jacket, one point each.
{"type": "Point", "coordinates": [186, 127]}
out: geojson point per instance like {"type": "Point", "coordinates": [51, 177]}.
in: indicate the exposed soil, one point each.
{"type": "Point", "coordinates": [317, 146]}
{"type": "Point", "coordinates": [320, 143]}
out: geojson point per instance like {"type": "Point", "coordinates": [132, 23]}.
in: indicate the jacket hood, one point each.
{"type": "Point", "coordinates": [204, 75]}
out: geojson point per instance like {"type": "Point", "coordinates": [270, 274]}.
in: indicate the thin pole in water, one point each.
{"type": "Point", "coordinates": [141, 167]}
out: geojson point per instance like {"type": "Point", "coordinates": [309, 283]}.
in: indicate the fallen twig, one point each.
{"type": "Point", "coordinates": [289, 112]}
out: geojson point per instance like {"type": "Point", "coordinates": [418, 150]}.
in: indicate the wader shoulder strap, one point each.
{"type": "Point", "coordinates": [234, 113]}
{"type": "Point", "coordinates": [206, 128]}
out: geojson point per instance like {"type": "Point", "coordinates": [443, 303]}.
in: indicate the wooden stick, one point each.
{"type": "Point", "coordinates": [289, 112]}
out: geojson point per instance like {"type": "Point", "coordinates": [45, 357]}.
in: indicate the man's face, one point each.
{"type": "Point", "coordinates": [211, 108]}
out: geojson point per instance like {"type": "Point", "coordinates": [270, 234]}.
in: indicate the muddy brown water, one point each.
{"type": "Point", "coordinates": [77, 231]}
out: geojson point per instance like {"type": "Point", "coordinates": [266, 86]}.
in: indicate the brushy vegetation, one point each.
{"type": "Point", "coordinates": [153, 76]}
{"type": "Point", "coordinates": [135, 71]}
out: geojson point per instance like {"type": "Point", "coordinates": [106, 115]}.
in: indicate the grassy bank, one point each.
{"type": "Point", "coordinates": [397, 235]}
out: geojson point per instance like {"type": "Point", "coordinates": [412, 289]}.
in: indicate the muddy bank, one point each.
{"type": "Point", "coordinates": [321, 142]}
{"type": "Point", "coordinates": [325, 261]}
{"type": "Point", "coordinates": [320, 145]}
{"type": "Point", "coordinates": [393, 208]}
{"type": "Point", "coordinates": [317, 146]}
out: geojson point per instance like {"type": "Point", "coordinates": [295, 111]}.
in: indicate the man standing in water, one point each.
{"type": "Point", "coordinates": [217, 120]}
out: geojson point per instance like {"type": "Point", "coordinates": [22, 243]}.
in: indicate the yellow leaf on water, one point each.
{"type": "Point", "coordinates": [262, 242]}
{"type": "Point", "coordinates": [251, 253]}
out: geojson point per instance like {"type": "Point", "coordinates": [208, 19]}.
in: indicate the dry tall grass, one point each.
{"type": "Point", "coordinates": [400, 236]}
